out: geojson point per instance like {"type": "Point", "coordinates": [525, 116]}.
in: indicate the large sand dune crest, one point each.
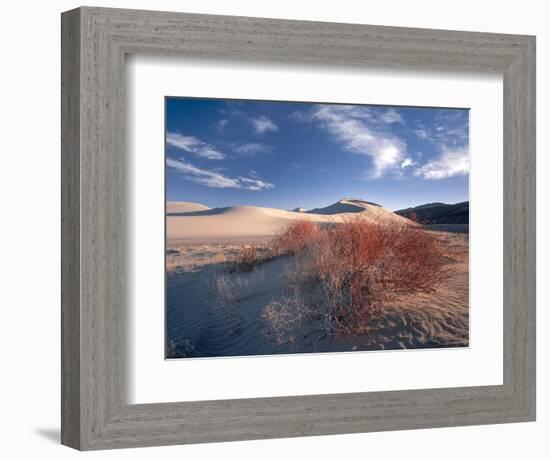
{"type": "Point", "coordinates": [184, 207]}
{"type": "Point", "coordinates": [190, 221]}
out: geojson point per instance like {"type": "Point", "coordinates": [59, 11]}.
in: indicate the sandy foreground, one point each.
{"type": "Point", "coordinates": [214, 312]}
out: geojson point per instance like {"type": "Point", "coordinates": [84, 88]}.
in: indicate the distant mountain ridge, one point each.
{"type": "Point", "coordinates": [438, 213]}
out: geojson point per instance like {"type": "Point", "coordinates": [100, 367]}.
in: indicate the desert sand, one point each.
{"type": "Point", "coordinates": [211, 312]}
{"type": "Point", "coordinates": [184, 207]}
{"type": "Point", "coordinates": [188, 221]}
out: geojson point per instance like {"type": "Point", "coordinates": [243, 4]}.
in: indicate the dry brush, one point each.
{"type": "Point", "coordinates": [355, 267]}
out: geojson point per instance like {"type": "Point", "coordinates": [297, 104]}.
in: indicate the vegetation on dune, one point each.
{"type": "Point", "coordinates": [297, 236]}
{"type": "Point", "coordinates": [349, 271]}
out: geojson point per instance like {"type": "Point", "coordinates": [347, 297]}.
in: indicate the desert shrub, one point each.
{"type": "Point", "coordinates": [290, 241]}
{"type": "Point", "coordinates": [280, 317]}
{"type": "Point", "coordinates": [247, 257]}
{"type": "Point", "coordinates": [285, 317]}
{"type": "Point", "coordinates": [359, 266]}
{"type": "Point", "coordinates": [366, 264]}
{"type": "Point", "coordinates": [296, 236]}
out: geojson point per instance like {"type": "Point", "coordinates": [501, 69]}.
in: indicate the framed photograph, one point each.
{"type": "Point", "coordinates": [280, 228]}
{"type": "Point", "coordinates": [266, 255]}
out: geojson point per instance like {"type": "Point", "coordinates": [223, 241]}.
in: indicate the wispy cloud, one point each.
{"type": "Point", "coordinates": [300, 116]}
{"type": "Point", "coordinates": [376, 117]}
{"type": "Point", "coordinates": [254, 184]}
{"type": "Point", "coordinates": [421, 133]}
{"type": "Point", "coordinates": [355, 129]}
{"type": "Point", "coordinates": [216, 179]}
{"type": "Point", "coordinates": [263, 124]}
{"type": "Point", "coordinates": [372, 132]}
{"type": "Point", "coordinates": [450, 163]}
{"type": "Point", "coordinates": [251, 149]}
{"type": "Point", "coordinates": [450, 129]}
{"type": "Point", "coordinates": [222, 124]}
{"type": "Point", "coordinates": [408, 162]}
{"type": "Point", "coordinates": [231, 108]}
{"type": "Point", "coordinates": [450, 137]}
{"type": "Point", "coordinates": [391, 116]}
{"type": "Point", "coordinates": [260, 123]}
{"type": "Point", "coordinates": [193, 145]}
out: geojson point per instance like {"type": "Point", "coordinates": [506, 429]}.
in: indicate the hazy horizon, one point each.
{"type": "Point", "coordinates": [223, 153]}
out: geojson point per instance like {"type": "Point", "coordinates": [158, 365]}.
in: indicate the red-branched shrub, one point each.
{"type": "Point", "coordinates": [296, 236]}
{"type": "Point", "coordinates": [358, 266]}
{"type": "Point", "coordinates": [363, 264]}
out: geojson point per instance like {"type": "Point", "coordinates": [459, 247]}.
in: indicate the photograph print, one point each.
{"type": "Point", "coordinates": [300, 227]}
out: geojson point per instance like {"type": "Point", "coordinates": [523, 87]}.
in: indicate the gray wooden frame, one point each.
{"type": "Point", "coordinates": [95, 413]}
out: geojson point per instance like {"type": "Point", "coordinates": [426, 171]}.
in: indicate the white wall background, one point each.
{"type": "Point", "coordinates": [29, 227]}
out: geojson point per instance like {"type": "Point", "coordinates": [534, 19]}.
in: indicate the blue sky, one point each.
{"type": "Point", "coordinates": [286, 154]}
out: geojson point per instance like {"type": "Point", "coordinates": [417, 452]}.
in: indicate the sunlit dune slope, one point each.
{"type": "Point", "coordinates": [186, 220]}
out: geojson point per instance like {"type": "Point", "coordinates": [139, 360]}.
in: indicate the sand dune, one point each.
{"type": "Point", "coordinates": [184, 207]}
{"type": "Point", "coordinates": [346, 206]}
{"type": "Point", "coordinates": [190, 221]}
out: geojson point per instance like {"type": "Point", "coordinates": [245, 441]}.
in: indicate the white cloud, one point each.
{"type": "Point", "coordinates": [215, 179]}
{"type": "Point", "coordinates": [300, 116]}
{"type": "Point", "coordinates": [193, 145]}
{"type": "Point", "coordinates": [391, 116]}
{"type": "Point", "coordinates": [450, 163]}
{"type": "Point", "coordinates": [421, 133]}
{"type": "Point", "coordinates": [350, 126]}
{"type": "Point", "coordinates": [450, 138]}
{"type": "Point", "coordinates": [263, 124]}
{"type": "Point", "coordinates": [368, 131]}
{"type": "Point", "coordinates": [210, 178]}
{"type": "Point", "coordinates": [255, 184]}
{"type": "Point", "coordinates": [450, 129]}
{"type": "Point", "coordinates": [250, 149]}
{"type": "Point", "coordinates": [408, 162]}
{"type": "Point", "coordinates": [376, 117]}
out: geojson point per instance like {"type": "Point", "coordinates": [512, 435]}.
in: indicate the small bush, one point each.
{"type": "Point", "coordinates": [296, 236]}
{"type": "Point", "coordinates": [280, 317]}
{"type": "Point", "coordinates": [247, 258]}
{"type": "Point", "coordinates": [285, 317]}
